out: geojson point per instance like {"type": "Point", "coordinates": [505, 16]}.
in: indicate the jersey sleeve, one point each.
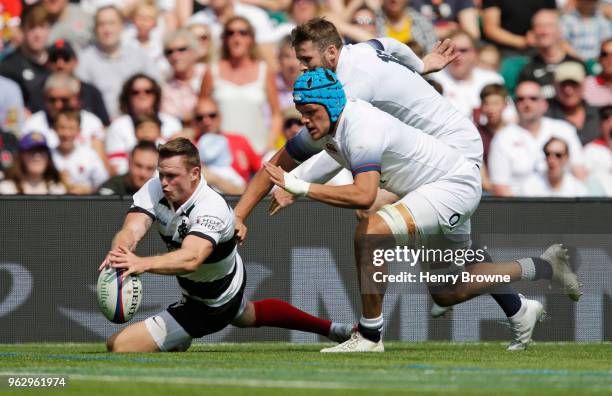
{"type": "Point", "coordinates": [302, 146]}
{"type": "Point", "coordinates": [146, 198]}
{"type": "Point", "coordinates": [213, 222]}
{"type": "Point", "coordinates": [399, 50]}
{"type": "Point", "coordinates": [365, 153]}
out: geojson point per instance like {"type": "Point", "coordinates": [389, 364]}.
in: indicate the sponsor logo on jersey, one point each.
{"type": "Point", "coordinates": [211, 223]}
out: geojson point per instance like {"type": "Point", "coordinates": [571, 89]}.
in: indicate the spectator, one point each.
{"type": "Point", "coordinates": [148, 128]}
{"type": "Point", "coordinates": [449, 15]}
{"type": "Point", "coordinates": [362, 25]}
{"type": "Point", "coordinates": [489, 58]}
{"type": "Point", "coordinates": [33, 172]}
{"type": "Point", "coordinates": [11, 106]}
{"type": "Point", "coordinates": [300, 11]}
{"type": "Point", "coordinates": [557, 181]}
{"type": "Point", "coordinates": [63, 58]}
{"type": "Point", "coordinates": [61, 92]}
{"type": "Point", "coordinates": [81, 168]}
{"type": "Point", "coordinates": [207, 119]}
{"type": "Point", "coordinates": [10, 12]}
{"type": "Point", "coordinates": [598, 89]}
{"type": "Point", "coordinates": [289, 70]}
{"type": "Point", "coordinates": [205, 44]}
{"type": "Point", "coordinates": [585, 28]}
{"type": "Point", "coordinates": [506, 23]}
{"type": "Point", "coordinates": [365, 18]}
{"type": "Point", "coordinates": [220, 12]}
{"type": "Point", "coordinates": [9, 146]}
{"type": "Point", "coordinates": [180, 92]}
{"type": "Point", "coordinates": [494, 99]}
{"type": "Point", "coordinates": [142, 165]}
{"type": "Point", "coordinates": [598, 155]}
{"type": "Point", "coordinates": [144, 32]}
{"type": "Point", "coordinates": [140, 95]}
{"type": "Point", "coordinates": [516, 150]}
{"type": "Point", "coordinates": [69, 22]}
{"type": "Point", "coordinates": [217, 168]}
{"type": "Point", "coordinates": [548, 42]}
{"type": "Point", "coordinates": [405, 24]}
{"type": "Point", "coordinates": [463, 80]}
{"type": "Point", "coordinates": [109, 57]}
{"type": "Point", "coordinates": [26, 66]}
{"type": "Point", "coordinates": [242, 84]}
{"type": "Point", "coordinates": [569, 104]}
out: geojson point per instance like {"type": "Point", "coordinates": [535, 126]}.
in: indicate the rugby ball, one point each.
{"type": "Point", "coordinates": [118, 300]}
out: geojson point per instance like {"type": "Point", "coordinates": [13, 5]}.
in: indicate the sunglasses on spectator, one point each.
{"type": "Point", "coordinates": [556, 154]}
{"type": "Point", "coordinates": [64, 99]}
{"type": "Point", "coordinates": [200, 117]}
{"type": "Point", "coordinates": [232, 32]}
{"type": "Point", "coordinates": [291, 122]}
{"type": "Point", "coordinates": [170, 51]}
{"type": "Point", "coordinates": [604, 54]}
{"type": "Point", "coordinates": [530, 98]}
{"type": "Point", "coordinates": [203, 37]}
{"type": "Point", "coordinates": [148, 91]}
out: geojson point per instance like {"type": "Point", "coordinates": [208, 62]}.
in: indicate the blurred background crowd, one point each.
{"type": "Point", "coordinates": [89, 88]}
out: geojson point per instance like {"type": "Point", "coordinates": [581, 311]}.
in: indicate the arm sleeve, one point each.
{"type": "Point", "coordinates": [146, 198]}
{"type": "Point", "coordinates": [213, 223]}
{"type": "Point", "coordinates": [398, 50]}
{"type": "Point", "coordinates": [318, 169]}
{"type": "Point", "coordinates": [364, 153]}
{"type": "Point", "coordinates": [302, 146]}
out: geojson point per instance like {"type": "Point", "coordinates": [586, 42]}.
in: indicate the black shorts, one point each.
{"type": "Point", "coordinates": [199, 319]}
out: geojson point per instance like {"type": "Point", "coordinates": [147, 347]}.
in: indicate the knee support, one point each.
{"type": "Point", "coordinates": [396, 223]}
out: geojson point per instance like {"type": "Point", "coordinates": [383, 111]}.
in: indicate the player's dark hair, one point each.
{"type": "Point", "coordinates": [34, 15]}
{"type": "Point", "coordinates": [71, 114]}
{"type": "Point", "coordinates": [493, 89]}
{"type": "Point", "coordinates": [322, 33]}
{"type": "Point", "coordinates": [183, 147]}
{"type": "Point", "coordinates": [143, 118]}
{"type": "Point", "coordinates": [556, 139]}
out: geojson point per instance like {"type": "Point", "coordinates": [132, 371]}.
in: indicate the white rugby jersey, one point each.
{"type": "Point", "coordinates": [405, 157]}
{"type": "Point", "coordinates": [369, 73]}
{"type": "Point", "coordinates": [206, 215]}
{"type": "Point", "coordinates": [83, 166]}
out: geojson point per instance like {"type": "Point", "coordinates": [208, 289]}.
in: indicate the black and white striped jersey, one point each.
{"type": "Point", "coordinates": [205, 215]}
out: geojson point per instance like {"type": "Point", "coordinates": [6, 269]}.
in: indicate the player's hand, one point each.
{"type": "Point", "coordinates": [123, 258]}
{"type": "Point", "coordinates": [105, 263]}
{"type": "Point", "coordinates": [441, 55]}
{"type": "Point", "coordinates": [280, 200]}
{"type": "Point", "coordinates": [288, 181]}
{"type": "Point", "coordinates": [240, 230]}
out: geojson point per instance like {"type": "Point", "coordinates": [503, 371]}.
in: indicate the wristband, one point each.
{"type": "Point", "coordinates": [295, 185]}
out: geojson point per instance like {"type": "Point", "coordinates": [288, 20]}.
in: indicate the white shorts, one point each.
{"type": "Point", "coordinates": [444, 207]}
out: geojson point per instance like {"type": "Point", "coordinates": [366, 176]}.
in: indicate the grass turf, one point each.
{"type": "Point", "coordinates": [299, 369]}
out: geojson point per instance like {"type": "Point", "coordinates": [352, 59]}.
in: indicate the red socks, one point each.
{"type": "Point", "coordinates": [272, 312]}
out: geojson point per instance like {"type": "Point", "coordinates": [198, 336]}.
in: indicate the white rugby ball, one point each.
{"type": "Point", "coordinates": [118, 300]}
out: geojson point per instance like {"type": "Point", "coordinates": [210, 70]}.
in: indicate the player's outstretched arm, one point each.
{"type": "Point", "coordinates": [258, 187]}
{"type": "Point", "coordinates": [359, 195]}
{"type": "Point", "coordinates": [192, 253]}
{"type": "Point", "coordinates": [440, 56]}
{"type": "Point", "coordinates": [134, 228]}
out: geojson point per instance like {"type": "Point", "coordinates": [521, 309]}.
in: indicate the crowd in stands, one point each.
{"type": "Point", "coordinates": [88, 89]}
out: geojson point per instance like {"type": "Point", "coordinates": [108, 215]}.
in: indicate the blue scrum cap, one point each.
{"type": "Point", "coordinates": [320, 86]}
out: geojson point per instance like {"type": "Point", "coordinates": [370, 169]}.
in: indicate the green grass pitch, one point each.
{"type": "Point", "coordinates": [431, 368]}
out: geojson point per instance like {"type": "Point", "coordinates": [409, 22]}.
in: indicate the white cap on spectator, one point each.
{"type": "Point", "coordinates": [570, 71]}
